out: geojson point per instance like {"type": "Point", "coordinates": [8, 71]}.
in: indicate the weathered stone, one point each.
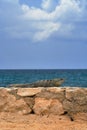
{"type": "Point", "coordinates": [13, 91]}
{"type": "Point", "coordinates": [76, 101]}
{"type": "Point", "coordinates": [60, 95]}
{"type": "Point", "coordinates": [57, 101]}
{"type": "Point", "coordinates": [58, 92]}
{"type": "Point", "coordinates": [29, 101]}
{"type": "Point", "coordinates": [56, 107]}
{"type": "Point", "coordinates": [17, 106]}
{"type": "Point", "coordinates": [80, 116]}
{"type": "Point", "coordinates": [78, 95]}
{"type": "Point", "coordinates": [55, 89]}
{"type": "Point", "coordinates": [69, 106]}
{"type": "Point", "coordinates": [9, 103]}
{"type": "Point", "coordinates": [24, 92]}
{"type": "Point", "coordinates": [3, 98]}
{"type": "Point", "coordinates": [43, 106]}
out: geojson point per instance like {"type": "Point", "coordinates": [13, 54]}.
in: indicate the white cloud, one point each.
{"type": "Point", "coordinates": [45, 30]}
{"type": "Point", "coordinates": [46, 4]}
{"type": "Point", "coordinates": [64, 9]}
{"type": "Point", "coordinates": [41, 23]}
{"type": "Point", "coordinates": [49, 5]}
{"type": "Point", "coordinates": [32, 13]}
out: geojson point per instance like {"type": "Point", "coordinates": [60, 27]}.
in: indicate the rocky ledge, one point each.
{"type": "Point", "coordinates": [61, 101]}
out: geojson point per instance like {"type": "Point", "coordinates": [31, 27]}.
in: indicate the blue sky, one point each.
{"type": "Point", "coordinates": [43, 34]}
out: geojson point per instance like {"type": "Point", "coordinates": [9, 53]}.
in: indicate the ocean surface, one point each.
{"type": "Point", "coordinates": [72, 77]}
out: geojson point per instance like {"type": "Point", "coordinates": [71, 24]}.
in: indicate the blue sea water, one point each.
{"type": "Point", "coordinates": [72, 77]}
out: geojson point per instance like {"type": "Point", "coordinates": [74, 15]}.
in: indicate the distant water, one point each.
{"type": "Point", "coordinates": [72, 77]}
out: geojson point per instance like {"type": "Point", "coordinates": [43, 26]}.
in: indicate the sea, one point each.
{"type": "Point", "coordinates": [73, 78]}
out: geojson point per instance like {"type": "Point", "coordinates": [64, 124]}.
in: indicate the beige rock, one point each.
{"type": "Point", "coordinates": [9, 103]}
{"type": "Point", "coordinates": [76, 100]}
{"type": "Point", "coordinates": [11, 89]}
{"type": "Point", "coordinates": [44, 106]}
{"type": "Point", "coordinates": [17, 106]}
{"type": "Point", "coordinates": [55, 89]}
{"type": "Point", "coordinates": [41, 101]}
{"type": "Point", "coordinates": [29, 101]}
{"type": "Point", "coordinates": [3, 98]}
{"type": "Point", "coordinates": [41, 106]}
{"type": "Point", "coordinates": [56, 107]}
{"type": "Point", "coordinates": [80, 116]}
{"type": "Point", "coordinates": [52, 94]}
{"type": "Point", "coordinates": [78, 95]}
{"type": "Point", "coordinates": [24, 92]}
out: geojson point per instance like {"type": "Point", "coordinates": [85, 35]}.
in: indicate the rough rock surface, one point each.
{"type": "Point", "coordinates": [76, 100]}
{"type": "Point", "coordinates": [9, 103]}
{"type": "Point", "coordinates": [28, 92]}
{"type": "Point", "coordinates": [66, 101]}
{"type": "Point", "coordinates": [48, 106]}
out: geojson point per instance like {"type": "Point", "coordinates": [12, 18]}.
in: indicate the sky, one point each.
{"type": "Point", "coordinates": [43, 34]}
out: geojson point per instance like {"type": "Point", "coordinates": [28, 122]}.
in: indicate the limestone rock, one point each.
{"type": "Point", "coordinates": [18, 106]}
{"type": "Point", "coordinates": [50, 94]}
{"type": "Point", "coordinates": [3, 98]}
{"type": "Point", "coordinates": [11, 89]}
{"type": "Point", "coordinates": [76, 100]}
{"type": "Point", "coordinates": [70, 102]}
{"type": "Point", "coordinates": [78, 95]}
{"type": "Point", "coordinates": [55, 89]}
{"type": "Point", "coordinates": [9, 103]}
{"type": "Point", "coordinates": [44, 106]}
{"type": "Point", "coordinates": [30, 101]}
{"type": "Point", "coordinates": [80, 116]}
{"type": "Point", "coordinates": [25, 92]}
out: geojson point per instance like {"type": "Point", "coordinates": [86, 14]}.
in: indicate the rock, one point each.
{"type": "Point", "coordinates": [17, 106]}
{"type": "Point", "coordinates": [78, 95]}
{"type": "Point", "coordinates": [44, 106]}
{"type": "Point", "coordinates": [52, 94]}
{"type": "Point", "coordinates": [80, 116]}
{"type": "Point", "coordinates": [70, 102]}
{"type": "Point", "coordinates": [55, 89]}
{"type": "Point", "coordinates": [30, 101]}
{"type": "Point", "coordinates": [3, 98]}
{"type": "Point", "coordinates": [11, 89]}
{"type": "Point", "coordinates": [25, 92]}
{"type": "Point", "coordinates": [9, 103]}
{"type": "Point", "coordinates": [56, 107]}
{"type": "Point", "coordinates": [76, 100]}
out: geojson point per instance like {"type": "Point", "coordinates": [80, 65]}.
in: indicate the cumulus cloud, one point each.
{"type": "Point", "coordinates": [49, 5]}
{"type": "Point", "coordinates": [51, 17]}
